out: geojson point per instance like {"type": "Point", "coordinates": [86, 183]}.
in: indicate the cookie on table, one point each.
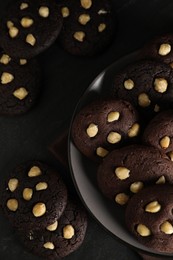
{"type": "Point", "coordinates": [19, 84]}
{"type": "Point", "coordinates": [148, 85]}
{"type": "Point", "coordinates": [149, 217]}
{"type": "Point", "coordinates": [62, 237]}
{"type": "Point", "coordinates": [159, 134]}
{"type": "Point", "coordinates": [30, 27]}
{"type": "Point", "coordinates": [160, 48]}
{"type": "Point", "coordinates": [104, 125]}
{"type": "Point", "coordinates": [126, 171]}
{"type": "Point", "coordinates": [89, 26]}
{"type": "Point", "coordinates": [33, 196]}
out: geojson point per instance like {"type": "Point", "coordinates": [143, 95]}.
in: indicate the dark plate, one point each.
{"type": "Point", "coordinates": [83, 171]}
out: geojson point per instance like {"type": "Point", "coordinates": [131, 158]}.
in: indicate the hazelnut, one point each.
{"type": "Point", "coordinates": [121, 198]}
{"type": "Point", "coordinates": [79, 36]}
{"type": "Point", "coordinates": [34, 171]}
{"type": "Point", "coordinates": [13, 184]}
{"type": "Point", "coordinates": [12, 204]}
{"type": "Point", "coordinates": [153, 207]}
{"type": "Point", "coordinates": [23, 6]}
{"type": "Point", "coordinates": [161, 180]}
{"type": "Point", "coordinates": [30, 39]}
{"type": "Point", "coordinates": [143, 100]}
{"type": "Point", "coordinates": [92, 130]}
{"type": "Point", "coordinates": [23, 61]}
{"type": "Point", "coordinates": [84, 19]}
{"type": "Point", "coordinates": [164, 49]}
{"type": "Point", "coordinates": [13, 32]}
{"type": "Point", "coordinates": [136, 186]}
{"type": "Point", "coordinates": [165, 142]}
{"type": "Point", "coordinates": [143, 230]}
{"type": "Point", "coordinates": [5, 59]}
{"type": "Point", "coordinates": [26, 22]}
{"type": "Point", "coordinates": [41, 186]}
{"type": "Point", "coordinates": [129, 84]}
{"type": "Point", "coordinates": [171, 65]}
{"type": "Point", "coordinates": [10, 24]}
{"type": "Point", "coordinates": [102, 11]}
{"type": "Point", "coordinates": [170, 154]}
{"type": "Point", "coordinates": [114, 137]}
{"type": "Point", "coordinates": [6, 78]}
{"type": "Point", "coordinates": [43, 11]}
{"type": "Point", "coordinates": [100, 151]}
{"type": "Point", "coordinates": [113, 116]}
{"type": "Point", "coordinates": [65, 12]}
{"type": "Point", "coordinates": [167, 228]}
{"type": "Point", "coordinates": [134, 130]}
{"type": "Point", "coordinates": [39, 209]}
{"type": "Point", "coordinates": [86, 3]}
{"type": "Point", "coordinates": [160, 85]}
{"type": "Point", "coordinates": [122, 173]}
{"type": "Point", "coordinates": [101, 27]}
{"type": "Point", "coordinates": [68, 232]}
{"type": "Point", "coordinates": [156, 108]}
{"type": "Point", "coordinates": [20, 93]}
{"type": "Point", "coordinates": [53, 226]}
{"type": "Point", "coordinates": [49, 245]}
{"type": "Point", "coordinates": [27, 194]}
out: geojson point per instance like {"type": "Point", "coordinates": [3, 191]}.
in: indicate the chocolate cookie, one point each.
{"type": "Point", "coordinates": [158, 132]}
{"type": "Point", "coordinates": [19, 84]}
{"type": "Point", "coordinates": [89, 26]}
{"type": "Point", "coordinates": [127, 170]}
{"type": "Point", "coordinates": [30, 27]}
{"type": "Point", "coordinates": [104, 125]}
{"type": "Point", "coordinates": [62, 237]}
{"type": "Point", "coordinates": [148, 85]}
{"type": "Point", "coordinates": [33, 196]}
{"type": "Point", "coordinates": [149, 217]}
{"type": "Point", "coordinates": [160, 48]}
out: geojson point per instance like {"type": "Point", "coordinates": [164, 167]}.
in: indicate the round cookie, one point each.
{"type": "Point", "coordinates": [104, 125]}
{"type": "Point", "coordinates": [148, 85]}
{"type": "Point", "coordinates": [30, 27]}
{"type": "Point", "coordinates": [19, 84]}
{"type": "Point", "coordinates": [61, 238]}
{"type": "Point", "coordinates": [158, 132]}
{"type": "Point", "coordinates": [127, 170]}
{"type": "Point", "coordinates": [160, 48]}
{"type": "Point", "coordinates": [89, 26]}
{"type": "Point", "coordinates": [33, 196]}
{"type": "Point", "coordinates": [149, 217]}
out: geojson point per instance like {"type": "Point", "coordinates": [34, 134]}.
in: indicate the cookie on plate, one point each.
{"type": "Point", "coordinates": [148, 85]}
{"type": "Point", "coordinates": [104, 125]}
{"type": "Point", "coordinates": [149, 217]}
{"type": "Point", "coordinates": [30, 27]}
{"type": "Point", "coordinates": [89, 26]}
{"type": "Point", "coordinates": [126, 171]}
{"type": "Point", "coordinates": [19, 84]}
{"type": "Point", "coordinates": [158, 132]}
{"type": "Point", "coordinates": [62, 237]}
{"type": "Point", "coordinates": [33, 196]}
{"type": "Point", "coordinates": [160, 48]}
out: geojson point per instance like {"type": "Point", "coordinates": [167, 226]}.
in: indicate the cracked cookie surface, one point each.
{"type": "Point", "coordinates": [30, 27]}
{"type": "Point", "coordinates": [33, 196]}
{"type": "Point", "coordinates": [62, 237]}
{"type": "Point", "coordinates": [89, 26]}
{"type": "Point", "coordinates": [19, 84]}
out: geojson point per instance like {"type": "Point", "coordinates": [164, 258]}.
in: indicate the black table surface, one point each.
{"type": "Point", "coordinates": [65, 78]}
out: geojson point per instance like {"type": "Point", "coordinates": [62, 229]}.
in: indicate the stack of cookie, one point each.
{"type": "Point", "coordinates": [129, 133]}
{"type": "Point", "coordinates": [34, 199]}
